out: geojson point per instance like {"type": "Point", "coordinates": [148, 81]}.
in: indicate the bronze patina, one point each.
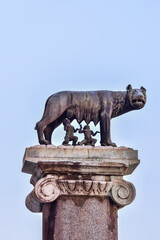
{"type": "Point", "coordinates": [70, 130]}
{"type": "Point", "coordinates": [97, 106]}
{"type": "Point", "coordinates": [88, 140]}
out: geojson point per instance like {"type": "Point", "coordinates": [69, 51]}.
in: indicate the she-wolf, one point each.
{"type": "Point", "coordinates": [97, 106]}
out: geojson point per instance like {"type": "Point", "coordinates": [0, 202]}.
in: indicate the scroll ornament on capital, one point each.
{"type": "Point", "coordinates": [49, 188]}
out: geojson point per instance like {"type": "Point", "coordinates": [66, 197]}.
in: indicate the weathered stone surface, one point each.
{"type": "Point", "coordinates": [79, 218]}
{"type": "Point", "coordinates": [32, 203]}
{"type": "Point", "coordinates": [49, 188]}
{"type": "Point", "coordinates": [85, 160]}
{"type": "Point", "coordinates": [79, 189]}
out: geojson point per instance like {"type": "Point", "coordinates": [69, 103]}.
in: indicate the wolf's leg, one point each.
{"type": "Point", "coordinates": [105, 119]}
{"type": "Point", "coordinates": [40, 127]}
{"type": "Point", "coordinates": [48, 132]}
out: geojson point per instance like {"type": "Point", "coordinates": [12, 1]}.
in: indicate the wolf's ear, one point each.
{"type": "Point", "coordinates": [143, 89]}
{"type": "Point", "coordinates": [129, 88]}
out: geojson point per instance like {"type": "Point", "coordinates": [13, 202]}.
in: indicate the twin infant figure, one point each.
{"type": "Point", "coordinates": [70, 130]}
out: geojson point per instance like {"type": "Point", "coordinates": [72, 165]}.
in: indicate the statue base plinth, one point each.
{"type": "Point", "coordinates": [79, 189]}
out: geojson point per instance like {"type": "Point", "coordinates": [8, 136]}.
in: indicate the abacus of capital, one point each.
{"type": "Point", "coordinates": [79, 189]}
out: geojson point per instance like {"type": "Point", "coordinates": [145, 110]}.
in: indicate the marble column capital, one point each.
{"type": "Point", "coordinates": [79, 171]}
{"type": "Point", "coordinates": [50, 187]}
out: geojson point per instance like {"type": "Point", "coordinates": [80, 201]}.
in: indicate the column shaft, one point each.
{"type": "Point", "coordinates": [80, 218]}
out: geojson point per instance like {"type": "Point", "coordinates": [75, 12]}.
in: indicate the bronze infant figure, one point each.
{"type": "Point", "coordinates": [70, 130]}
{"type": "Point", "coordinates": [88, 140]}
{"type": "Point", "coordinates": [96, 106]}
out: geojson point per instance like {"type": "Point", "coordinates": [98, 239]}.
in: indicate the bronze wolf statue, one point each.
{"type": "Point", "coordinates": [96, 106]}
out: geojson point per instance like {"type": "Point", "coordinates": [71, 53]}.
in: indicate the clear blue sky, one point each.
{"type": "Point", "coordinates": [49, 46]}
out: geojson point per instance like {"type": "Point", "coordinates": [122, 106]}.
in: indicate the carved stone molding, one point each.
{"type": "Point", "coordinates": [49, 188]}
{"type": "Point", "coordinates": [111, 161]}
{"type": "Point", "coordinates": [123, 193]}
{"type": "Point", "coordinates": [84, 187]}
{"type": "Point", "coordinates": [46, 189]}
{"type": "Point", "coordinates": [32, 203]}
{"type": "Point", "coordinates": [79, 171]}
